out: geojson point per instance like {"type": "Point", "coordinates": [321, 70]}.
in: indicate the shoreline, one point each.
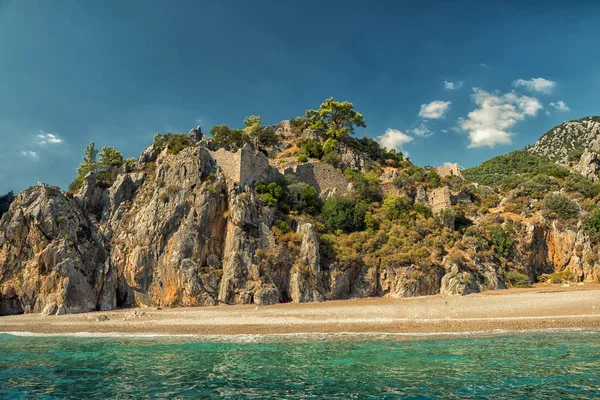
{"type": "Point", "coordinates": [542, 308]}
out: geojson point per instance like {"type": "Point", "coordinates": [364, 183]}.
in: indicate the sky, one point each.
{"type": "Point", "coordinates": [444, 81]}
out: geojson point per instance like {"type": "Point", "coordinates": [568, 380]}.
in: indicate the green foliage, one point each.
{"type": "Point", "coordinates": [344, 214]}
{"type": "Point", "coordinates": [298, 122]}
{"type": "Point", "coordinates": [284, 227]}
{"type": "Point", "coordinates": [270, 193]}
{"type": "Point", "coordinates": [332, 158]}
{"type": "Point", "coordinates": [493, 171]}
{"type": "Point", "coordinates": [337, 120]}
{"type": "Point", "coordinates": [110, 157]}
{"type": "Point", "coordinates": [302, 158]}
{"type": "Point", "coordinates": [374, 151]}
{"type": "Point", "coordinates": [575, 155]}
{"type": "Point", "coordinates": [174, 142]}
{"type": "Point", "coordinates": [303, 198]}
{"type": "Point", "coordinates": [366, 186]}
{"type": "Point", "coordinates": [106, 170]}
{"type": "Point", "coordinates": [446, 218]}
{"type": "Point", "coordinates": [516, 279]}
{"type": "Point", "coordinates": [330, 145]}
{"type": "Point", "coordinates": [312, 148]}
{"type": "Point", "coordinates": [261, 136]}
{"type": "Point", "coordinates": [502, 240]}
{"type": "Point", "coordinates": [227, 137]}
{"type": "Point", "coordinates": [592, 225]}
{"type": "Point", "coordinates": [89, 164]}
{"type": "Point", "coordinates": [560, 207]}
{"type": "Point", "coordinates": [396, 207]}
{"type": "Point", "coordinates": [580, 184]}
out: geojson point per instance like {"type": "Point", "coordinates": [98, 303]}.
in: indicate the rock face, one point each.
{"type": "Point", "coordinates": [189, 230]}
{"type": "Point", "coordinates": [588, 165]}
{"type": "Point", "coordinates": [567, 137]}
{"type": "Point", "coordinates": [51, 253]}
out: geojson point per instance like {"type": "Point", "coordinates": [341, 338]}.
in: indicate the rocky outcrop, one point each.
{"type": "Point", "coordinates": [306, 276]}
{"type": "Point", "coordinates": [410, 281]}
{"type": "Point", "coordinates": [188, 229]}
{"type": "Point", "coordinates": [588, 165]}
{"type": "Point", "coordinates": [558, 143]}
{"type": "Point", "coordinates": [51, 253]}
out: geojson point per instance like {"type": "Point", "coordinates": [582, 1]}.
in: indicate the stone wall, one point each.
{"type": "Point", "coordinates": [323, 177]}
{"type": "Point", "coordinates": [244, 166]}
{"type": "Point", "coordinates": [439, 199]}
{"type": "Point", "coordinates": [448, 170]}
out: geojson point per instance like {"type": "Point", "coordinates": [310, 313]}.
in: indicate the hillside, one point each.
{"type": "Point", "coordinates": [567, 141]}
{"type": "Point", "coordinates": [299, 211]}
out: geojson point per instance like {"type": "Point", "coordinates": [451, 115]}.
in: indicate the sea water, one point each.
{"type": "Point", "coordinates": [540, 365]}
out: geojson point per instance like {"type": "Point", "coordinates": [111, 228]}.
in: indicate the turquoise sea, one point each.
{"type": "Point", "coordinates": [541, 365]}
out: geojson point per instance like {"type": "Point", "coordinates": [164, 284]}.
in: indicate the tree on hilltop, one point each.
{"type": "Point", "coordinates": [262, 136]}
{"type": "Point", "coordinates": [336, 119]}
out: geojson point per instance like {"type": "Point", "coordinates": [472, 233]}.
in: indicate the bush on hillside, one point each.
{"type": "Point", "coordinates": [343, 214]}
{"type": "Point", "coordinates": [560, 207]}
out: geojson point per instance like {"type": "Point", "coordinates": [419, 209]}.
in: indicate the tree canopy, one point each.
{"type": "Point", "coordinates": [336, 119]}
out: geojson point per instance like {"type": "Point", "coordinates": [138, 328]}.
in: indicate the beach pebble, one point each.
{"type": "Point", "coordinates": [61, 310]}
{"type": "Point", "coordinates": [101, 318]}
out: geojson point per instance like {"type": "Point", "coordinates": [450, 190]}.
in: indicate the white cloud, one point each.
{"type": "Point", "coordinates": [47, 138]}
{"type": "Point", "coordinates": [484, 65]}
{"type": "Point", "coordinates": [30, 154]}
{"type": "Point", "coordinates": [452, 85]}
{"type": "Point", "coordinates": [489, 124]}
{"type": "Point", "coordinates": [394, 139]}
{"type": "Point", "coordinates": [560, 106]}
{"type": "Point", "coordinates": [539, 85]}
{"type": "Point", "coordinates": [434, 110]}
{"type": "Point", "coordinates": [422, 130]}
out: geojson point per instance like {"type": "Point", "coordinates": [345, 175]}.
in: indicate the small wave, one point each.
{"type": "Point", "coordinates": [303, 337]}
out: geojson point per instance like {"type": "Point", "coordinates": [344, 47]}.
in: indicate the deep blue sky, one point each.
{"type": "Point", "coordinates": [116, 72]}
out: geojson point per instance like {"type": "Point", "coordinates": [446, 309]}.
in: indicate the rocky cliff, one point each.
{"type": "Point", "coordinates": [189, 228]}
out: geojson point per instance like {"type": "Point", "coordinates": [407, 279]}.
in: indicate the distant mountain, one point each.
{"type": "Point", "coordinates": [573, 145]}
{"type": "Point", "coordinates": [566, 142]}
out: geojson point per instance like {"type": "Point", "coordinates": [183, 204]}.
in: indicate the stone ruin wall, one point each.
{"type": "Point", "coordinates": [244, 166]}
{"type": "Point", "coordinates": [448, 170]}
{"type": "Point", "coordinates": [323, 177]}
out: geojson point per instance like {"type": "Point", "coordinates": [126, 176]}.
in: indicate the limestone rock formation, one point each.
{"type": "Point", "coordinates": [588, 165]}
{"type": "Point", "coordinates": [51, 253]}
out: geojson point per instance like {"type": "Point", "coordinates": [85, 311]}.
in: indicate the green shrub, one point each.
{"type": "Point", "coordinates": [366, 186]}
{"type": "Point", "coordinates": [302, 158]}
{"type": "Point", "coordinates": [174, 142]}
{"type": "Point", "coordinates": [332, 158]}
{"type": "Point", "coordinates": [580, 184]}
{"type": "Point", "coordinates": [227, 137]}
{"type": "Point", "coordinates": [516, 279]}
{"type": "Point", "coordinates": [270, 193]}
{"type": "Point", "coordinates": [303, 198]}
{"type": "Point", "coordinates": [284, 227]}
{"type": "Point", "coordinates": [344, 214]}
{"type": "Point", "coordinates": [560, 207]}
{"type": "Point", "coordinates": [502, 240]}
{"type": "Point", "coordinates": [312, 148]}
{"type": "Point", "coordinates": [396, 207]}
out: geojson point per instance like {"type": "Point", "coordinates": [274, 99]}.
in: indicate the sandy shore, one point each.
{"type": "Point", "coordinates": [540, 307]}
